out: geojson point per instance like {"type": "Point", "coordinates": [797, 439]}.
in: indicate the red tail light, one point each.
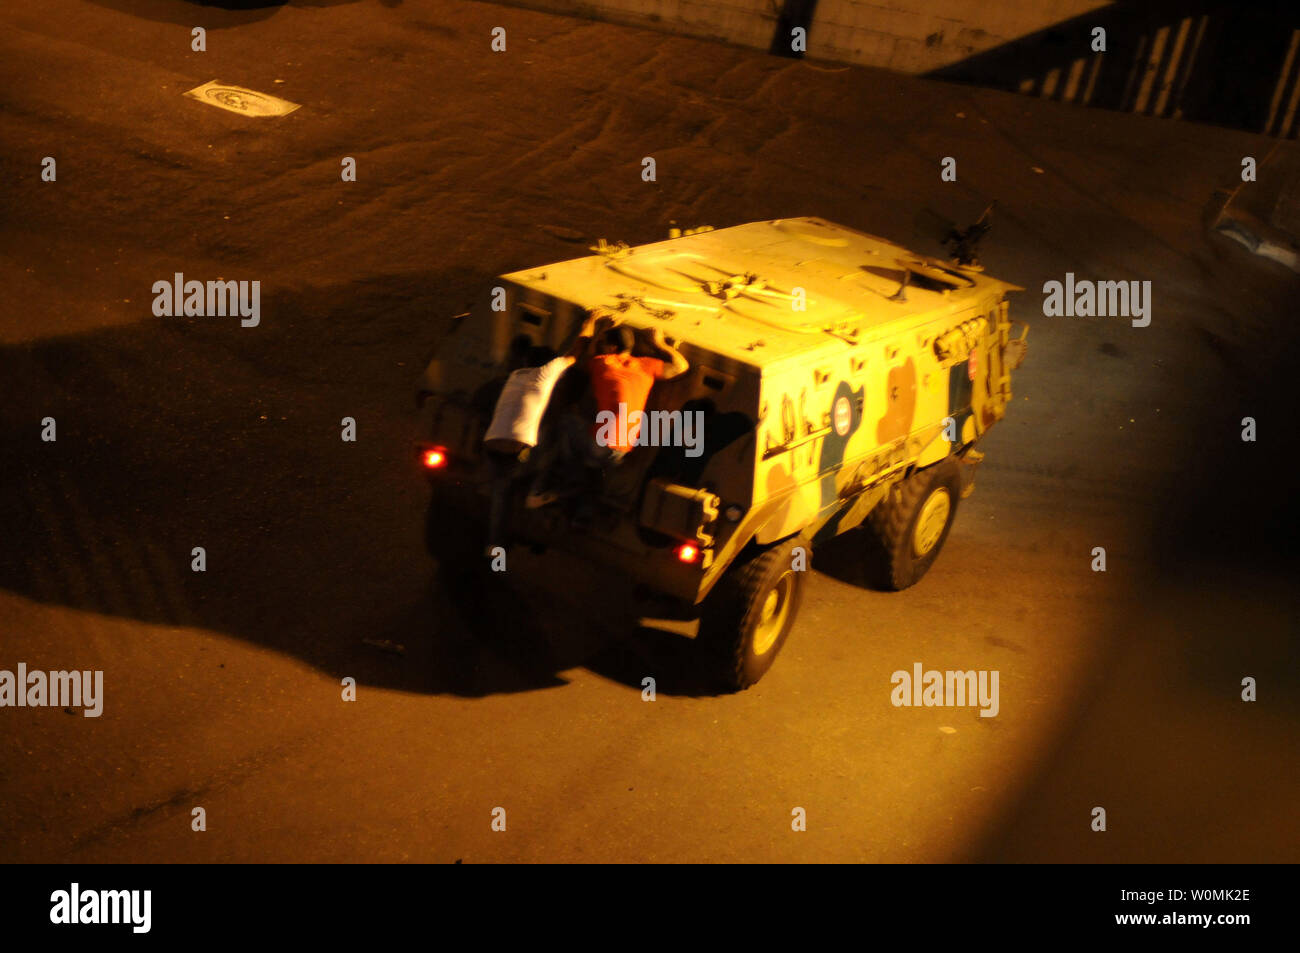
{"type": "Point", "coordinates": [688, 552]}
{"type": "Point", "coordinates": [435, 458]}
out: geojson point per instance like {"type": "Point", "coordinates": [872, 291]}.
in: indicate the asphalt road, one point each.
{"type": "Point", "coordinates": [222, 689]}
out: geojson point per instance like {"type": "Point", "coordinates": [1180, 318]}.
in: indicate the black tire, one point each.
{"type": "Point", "coordinates": [748, 615]}
{"type": "Point", "coordinates": [897, 556]}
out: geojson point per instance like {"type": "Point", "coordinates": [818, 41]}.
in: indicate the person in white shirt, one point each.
{"type": "Point", "coordinates": [518, 413]}
{"type": "Point", "coordinates": [517, 417]}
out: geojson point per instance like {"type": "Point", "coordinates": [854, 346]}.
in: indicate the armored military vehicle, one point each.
{"type": "Point", "coordinates": [840, 383]}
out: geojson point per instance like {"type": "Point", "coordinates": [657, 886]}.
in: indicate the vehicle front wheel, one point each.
{"type": "Point", "coordinates": [748, 615]}
{"type": "Point", "coordinates": [909, 527]}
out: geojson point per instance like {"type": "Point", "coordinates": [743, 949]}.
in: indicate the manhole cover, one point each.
{"type": "Point", "coordinates": [236, 99]}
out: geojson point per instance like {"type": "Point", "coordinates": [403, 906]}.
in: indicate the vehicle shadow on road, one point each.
{"type": "Point", "coordinates": [183, 434]}
{"type": "Point", "coordinates": [175, 436]}
{"type": "Point", "coordinates": [848, 559]}
{"type": "Point", "coordinates": [650, 649]}
{"type": "Point", "coordinates": [458, 641]}
{"type": "Point", "coordinates": [555, 616]}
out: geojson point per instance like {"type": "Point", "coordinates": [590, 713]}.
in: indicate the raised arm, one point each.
{"type": "Point", "coordinates": [598, 322]}
{"type": "Point", "coordinates": [677, 364]}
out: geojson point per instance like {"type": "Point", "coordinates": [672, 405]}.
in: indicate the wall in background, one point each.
{"type": "Point", "coordinates": [1234, 64]}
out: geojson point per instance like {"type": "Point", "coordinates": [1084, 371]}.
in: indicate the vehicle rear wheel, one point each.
{"type": "Point", "coordinates": [748, 615]}
{"type": "Point", "coordinates": [908, 528]}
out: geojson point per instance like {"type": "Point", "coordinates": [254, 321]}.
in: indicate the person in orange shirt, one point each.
{"type": "Point", "coordinates": [620, 382]}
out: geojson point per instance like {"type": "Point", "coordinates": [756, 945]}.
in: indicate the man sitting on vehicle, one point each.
{"type": "Point", "coordinates": [517, 417]}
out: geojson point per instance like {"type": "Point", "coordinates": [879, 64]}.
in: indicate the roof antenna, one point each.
{"type": "Point", "coordinates": [963, 243]}
{"type": "Point", "coordinates": [901, 293]}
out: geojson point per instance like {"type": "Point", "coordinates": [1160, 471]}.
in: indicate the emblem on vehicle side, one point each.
{"type": "Point", "coordinates": [843, 416]}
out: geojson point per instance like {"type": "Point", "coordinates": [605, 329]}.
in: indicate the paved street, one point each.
{"type": "Point", "coordinates": [222, 689]}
